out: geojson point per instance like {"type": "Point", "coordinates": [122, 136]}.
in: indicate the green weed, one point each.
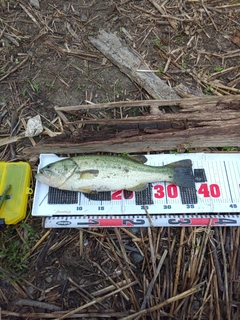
{"type": "Point", "coordinates": [35, 86]}
{"type": "Point", "coordinates": [160, 70]}
{"type": "Point", "coordinates": [13, 250]}
{"type": "Point", "coordinates": [158, 42]}
{"type": "Point", "coordinates": [124, 154]}
{"type": "Point", "coordinates": [135, 109]}
{"type": "Point", "coordinates": [50, 85]}
{"type": "Point", "coordinates": [184, 65]}
{"type": "Point", "coordinates": [24, 91]}
{"type": "Point", "coordinates": [3, 70]}
{"type": "Point", "coordinates": [208, 90]}
{"type": "Point", "coordinates": [180, 36]}
{"type": "Point", "coordinates": [106, 100]}
{"type": "Point", "coordinates": [228, 148]}
{"type": "Point", "coordinates": [117, 93]}
{"type": "Point", "coordinates": [218, 69]}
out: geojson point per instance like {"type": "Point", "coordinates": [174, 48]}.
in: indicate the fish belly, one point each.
{"type": "Point", "coordinates": [103, 182]}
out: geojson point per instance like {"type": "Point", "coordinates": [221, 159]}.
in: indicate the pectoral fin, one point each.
{"type": "Point", "coordinates": [138, 187]}
{"type": "Point", "coordinates": [89, 174]}
{"type": "Point", "coordinates": [86, 190]}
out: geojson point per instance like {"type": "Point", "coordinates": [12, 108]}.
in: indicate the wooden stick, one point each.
{"type": "Point", "coordinates": [14, 69]}
{"type": "Point", "coordinates": [161, 10]}
{"type": "Point", "coordinates": [226, 292]}
{"type": "Point", "coordinates": [37, 304]}
{"type": "Point", "coordinates": [168, 301]}
{"type": "Point", "coordinates": [178, 267]}
{"type": "Point", "coordinates": [150, 287]}
{"type": "Point", "coordinates": [128, 61]}
{"type": "Point", "coordinates": [188, 103]}
{"type": "Point", "coordinates": [216, 300]}
{"type": "Point", "coordinates": [89, 314]}
{"type": "Point", "coordinates": [70, 313]}
{"type": "Point", "coordinates": [46, 234]}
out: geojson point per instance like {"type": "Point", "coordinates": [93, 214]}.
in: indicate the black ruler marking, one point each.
{"type": "Point", "coordinates": [200, 175]}
{"type": "Point", "coordinates": [56, 196]}
{"type": "Point", "coordinates": [100, 196]}
{"type": "Point", "coordinates": [144, 197]}
{"type": "Point", "coordinates": [165, 190]}
{"type": "Point", "coordinates": [127, 194]}
{"type": "Point", "coordinates": [225, 167]}
{"type": "Point", "coordinates": [80, 198]}
{"type": "Point", "coordinates": [188, 195]}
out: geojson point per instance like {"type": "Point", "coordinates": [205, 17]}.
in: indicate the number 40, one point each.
{"type": "Point", "coordinates": [212, 190]}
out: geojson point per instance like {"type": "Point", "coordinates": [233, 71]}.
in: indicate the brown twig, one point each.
{"type": "Point", "coordinates": [100, 299]}
{"type": "Point", "coordinates": [226, 282]}
{"type": "Point", "coordinates": [37, 304]}
{"type": "Point", "coordinates": [182, 295]}
{"type": "Point", "coordinates": [178, 266]}
{"type": "Point", "coordinates": [89, 314]}
{"type": "Point", "coordinates": [14, 69]}
{"type": "Point", "coordinates": [150, 287]}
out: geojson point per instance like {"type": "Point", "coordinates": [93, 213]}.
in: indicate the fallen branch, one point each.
{"type": "Point", "coordinates": [38, 304]}
{"type": "Point", "coordinates": [199, 123]}
{"type": "Point", "coordinates": [182, 295]}
{"type": "Point", "coordinates": [96, 301]}
{"type": "Point", "coordinates": [129, 61]}
{"type": "Point", "coordinates": [14, 69]}
{"type": "Point", "coordinates": [150, 287]}
{"type": "Point", "coordinates": [57, 315]}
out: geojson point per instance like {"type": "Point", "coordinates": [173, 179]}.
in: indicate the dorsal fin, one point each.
{"type": "Point", "coordinates": [138, 158]}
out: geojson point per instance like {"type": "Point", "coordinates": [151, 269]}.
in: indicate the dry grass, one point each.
{"type": "Point", "coordinates": [185, 273]}
{"type": "Point", "coordinates": [154, 273]}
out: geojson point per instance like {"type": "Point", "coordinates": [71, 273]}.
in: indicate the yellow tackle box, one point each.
{"type": "Point", "coordinates": [15, 178]}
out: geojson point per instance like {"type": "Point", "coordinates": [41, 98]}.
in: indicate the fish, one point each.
{"type": "Point", "coordinates": [97, 173]}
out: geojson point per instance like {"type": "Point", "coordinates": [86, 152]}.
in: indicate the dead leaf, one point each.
{"type": "Point", "coordinates": [236, 37]}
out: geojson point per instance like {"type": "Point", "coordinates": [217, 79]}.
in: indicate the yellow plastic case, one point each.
{"type": "Point", "coordinates": [14, 206]}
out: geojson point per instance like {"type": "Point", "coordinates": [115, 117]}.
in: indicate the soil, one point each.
{"type": "Point", "coordinates": [47, 60]}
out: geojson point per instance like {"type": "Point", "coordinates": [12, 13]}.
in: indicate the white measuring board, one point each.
{"type": "Point", "coordinates": [217, 190]}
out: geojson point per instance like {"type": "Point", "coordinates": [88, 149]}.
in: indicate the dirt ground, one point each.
{"type": "Point", "coordinates": [47, 60]}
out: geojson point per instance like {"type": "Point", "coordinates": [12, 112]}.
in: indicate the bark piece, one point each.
{"type": "Point", "coordinates": [129, 61]}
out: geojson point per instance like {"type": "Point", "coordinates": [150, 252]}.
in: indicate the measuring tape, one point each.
{"type": "Point", "coordinates": [141, 221]}
{"type": "Point", "coordinates": [215, 200]}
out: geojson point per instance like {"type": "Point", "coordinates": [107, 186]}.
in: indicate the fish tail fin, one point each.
{"type": "Point", "coordinates": [182, 174]}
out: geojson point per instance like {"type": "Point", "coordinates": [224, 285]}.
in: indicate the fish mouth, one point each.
{"type": "Point", "coordinates": [41, 173]}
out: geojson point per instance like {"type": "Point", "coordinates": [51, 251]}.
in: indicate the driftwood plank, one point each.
{"type": "Point", "coordinates": [129, 61]}
{"type": "Point", "coordinates": [199, 123]}
{"type": "Point", "coordinates": [180, 140]}
{"type": "Point", "coordinates": [201, 109]}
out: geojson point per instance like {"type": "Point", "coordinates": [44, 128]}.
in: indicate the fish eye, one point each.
{"type": "Point", "coordinates": [48, 166]}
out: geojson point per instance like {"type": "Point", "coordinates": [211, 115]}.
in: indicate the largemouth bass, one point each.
{"type": "Point", "coordinates": [94, 173]}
